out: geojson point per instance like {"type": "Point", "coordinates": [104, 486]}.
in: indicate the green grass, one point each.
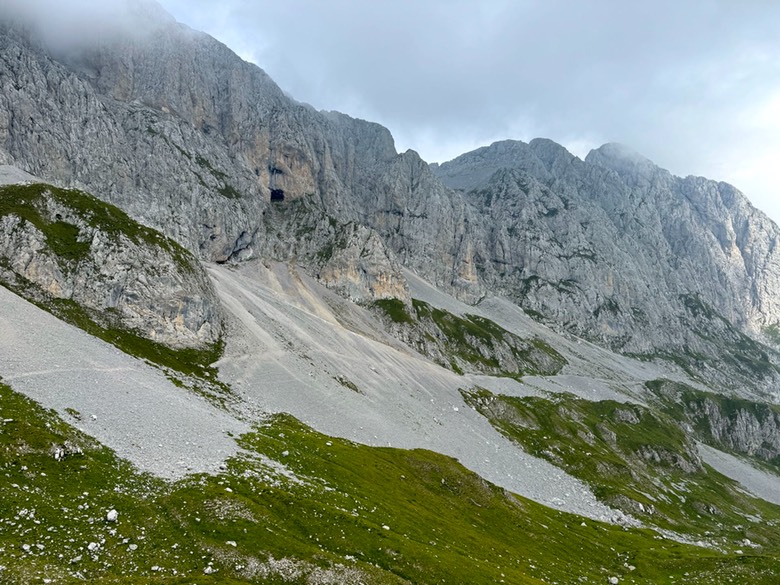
{"type": "Point", "coordinates": [392, 516]}
{"type": "Point", "coordinates": [632, 455]}
{"type": "Point", "coordinates": [395, 309]}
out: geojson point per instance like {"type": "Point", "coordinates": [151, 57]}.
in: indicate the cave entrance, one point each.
{"type": "Point", "coordinates": [277, 195]}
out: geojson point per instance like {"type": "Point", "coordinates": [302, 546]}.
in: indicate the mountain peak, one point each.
{"type": "Point", "coordinates": [621, 159]}
{"type": "Point", "coordinates": [475, 168]}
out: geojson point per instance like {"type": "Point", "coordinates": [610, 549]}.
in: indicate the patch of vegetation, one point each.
{"type": "Point", "coordinates": [608, 306]}
{"type": "Point", "coordinates": [337, 241]}
{"type": "Point", "coordinates": [584, 253]}
{"type": "Point", "coordinates": [694, 304]}
{"type": "Point", "coordinates": [535, 315]}
{"type": "Point", "coordinates": [566, 286]}
{"type": "Point", "coordinates": [689, 361]}
{"type": "Point", "coordinates": [73, 412]}
{"type": "Point", "coordinates": [202, 162]}
{"type": "Point", "coordinates": [395, 309]}
{"type": "Point", "coordinates": [229, 191]}
{"type": "Point", "coordinates": [635, 459]}
{"type": "Point", "coordinates": [479, 343]}
{"type": "Point", "coordinates": [226, 190]}
{"type": "Point", "coordinates": [347, 383]}
{"type": "Point", "coordinates": [297, 503]}
{"type": "Point", "coordinates": [772, 333]}
{"type": "Point", "coordinates": [62, 238]}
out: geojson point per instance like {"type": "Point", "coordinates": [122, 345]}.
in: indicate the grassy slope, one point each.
{"type": "Point", "coordinates": [471, 341]}
{"type": "Point", "coordinates": [444, 524]}
{"type": "Point", "coordinates": [599, 443]}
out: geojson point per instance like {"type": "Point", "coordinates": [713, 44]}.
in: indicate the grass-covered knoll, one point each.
{"type": "Point", "coordinates": [478, 340]}
{"type": "Point", "coordinates": [635, 459]}
{"type": "Point", "coordinates": [69, 246]}
{"type": "Point", "coordinates": [30, 202]}
{"type": "Point", "coordinates": [734, 424]}
{"type": "Point", "coordinates": [395, 309]}
{"type": "Point", "coordinates": [470, 342]}
{"type": "Point", "coordinates": [302, 507]}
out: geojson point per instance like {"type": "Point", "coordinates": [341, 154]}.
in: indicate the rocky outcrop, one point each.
{"type": "Point", "coordinates": [60, 244]}
{"type": "Point", "coordinates": [361, 268]}
{"type": "Point", "coordinates": [747, 428]}
{"type": "Point", "coordinates": [467, 343]}
{"type": "Point", "coordinates": [730, 423]}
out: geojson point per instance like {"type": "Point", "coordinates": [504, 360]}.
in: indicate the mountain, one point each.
{"type": "Point", "coordinates": [285, 352]}
{"type": "Point", "coordinates": [615, 249]}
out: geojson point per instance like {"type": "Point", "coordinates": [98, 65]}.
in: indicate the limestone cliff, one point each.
{"type": "Point", "coordinates": [66, 245]}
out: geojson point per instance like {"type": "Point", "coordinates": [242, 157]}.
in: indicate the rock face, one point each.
{"type": "Point", "coordinates": [60, 244]}
{"type": "Point", "coordinates": [186, 137]}
{"type": "Point", "coordinates": [175, 129]}
{"type": "Point", "coordinates": [732, 424]}
{"type": "Point", "coordinates": [610, 245]}
{"type": "Point", "coordinates": [618, 250]}
{"type": "Point", "coordinates": [753, 430]}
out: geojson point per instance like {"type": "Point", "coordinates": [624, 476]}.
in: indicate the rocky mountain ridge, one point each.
{"type": "Point", "coordinates": [174, 128]}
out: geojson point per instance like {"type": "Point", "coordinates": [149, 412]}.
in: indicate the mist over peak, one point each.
{"type": "Point", "coordinates": [73, 25]}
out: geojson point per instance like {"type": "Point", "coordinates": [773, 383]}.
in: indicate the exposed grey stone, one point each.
{"type": "Point", "coordinates": [148, 287]}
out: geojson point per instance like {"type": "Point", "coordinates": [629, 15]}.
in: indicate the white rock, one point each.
{"type": "Point", "coordinates": [112, 515]}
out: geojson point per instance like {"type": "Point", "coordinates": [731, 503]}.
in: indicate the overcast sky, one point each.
{"type": "Point", "coordinates": [692, 85]}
